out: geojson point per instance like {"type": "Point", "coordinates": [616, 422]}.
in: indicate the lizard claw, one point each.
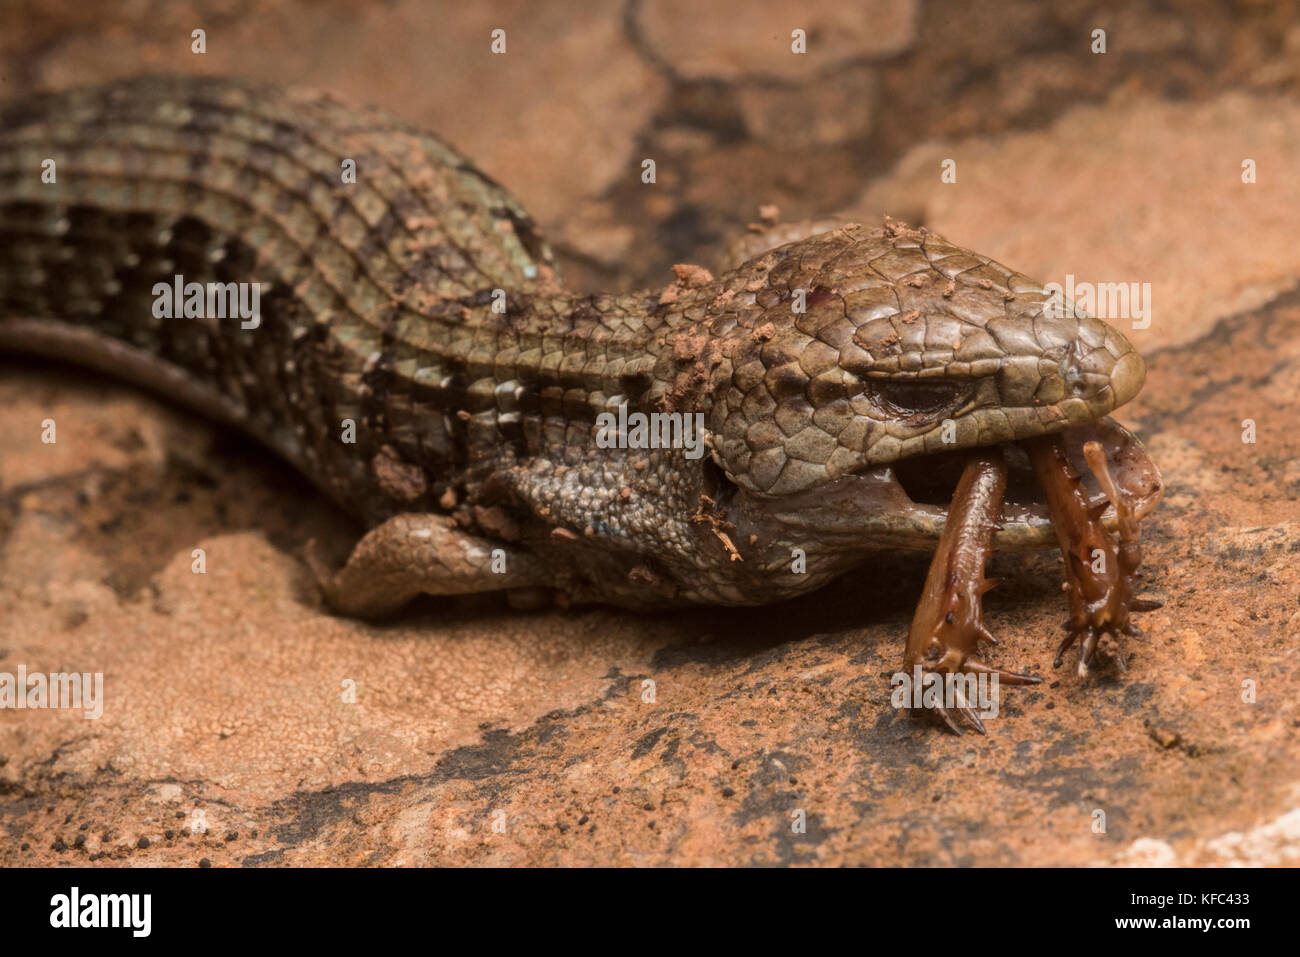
{"type": "Point", "coordinates": [1091, 652]}
{"type": "Point", "coordinates": [976, 666]}
{"type": "Point", "coordinates": [952, 699]}
{"type": "Point", "coordinates": [969, 716]}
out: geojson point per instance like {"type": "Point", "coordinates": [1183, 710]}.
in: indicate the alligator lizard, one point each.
{"type": "Point", "coordinates": [417, 357]}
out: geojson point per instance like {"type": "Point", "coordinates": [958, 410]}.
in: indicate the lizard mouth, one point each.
{"type": "Point", "coordinates": [906, 503]}
{"type": "Point", "coordinates": [929, 481]}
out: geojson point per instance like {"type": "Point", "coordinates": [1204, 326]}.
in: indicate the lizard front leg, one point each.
{"type": "Point", "coordinates": [1101, 571]}
{"type": "Point", "coordinates": [948, 624]}
{"type": "Point", "coordinates": [414, 554]}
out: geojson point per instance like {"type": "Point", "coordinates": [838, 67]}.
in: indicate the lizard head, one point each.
{"type": "Point", "coordinates": [860, 364]}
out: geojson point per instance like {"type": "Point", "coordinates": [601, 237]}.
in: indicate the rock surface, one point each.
{"type": "Point", "coordinates": [244, 725]}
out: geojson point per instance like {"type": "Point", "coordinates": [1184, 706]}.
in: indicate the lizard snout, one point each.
{"type": "Point", "coordinates": [1094, 372]}
{"type": "Point", "coordinates": [1101, 367]}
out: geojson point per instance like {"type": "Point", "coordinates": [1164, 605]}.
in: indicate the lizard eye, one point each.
{"type": "Point", "coordinates": [917, 399]}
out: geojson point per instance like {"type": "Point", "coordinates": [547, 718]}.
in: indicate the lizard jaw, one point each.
{"type": "Point", "coordinates": [1025, 518]}
{"type": "Point", "coordinates": [906, 504]}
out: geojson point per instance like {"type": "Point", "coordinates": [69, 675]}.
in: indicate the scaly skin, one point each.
{"type": "Point", "coordinates": [475, 430]}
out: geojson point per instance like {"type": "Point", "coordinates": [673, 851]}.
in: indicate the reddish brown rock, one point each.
{"type": "Point", "coordinates": [473, 734]}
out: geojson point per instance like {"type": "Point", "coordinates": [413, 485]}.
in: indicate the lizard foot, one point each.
{"type": "Point", "coordinates": [412, 554]}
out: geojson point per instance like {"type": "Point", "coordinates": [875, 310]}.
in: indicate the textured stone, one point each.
{"type": "Point", "coordinates": [712, 41]}
{"type": "Point", "coordinates": [229, 685]}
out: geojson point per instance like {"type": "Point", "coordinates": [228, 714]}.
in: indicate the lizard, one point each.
{"type": "Point", "coordinates": [417, 356]}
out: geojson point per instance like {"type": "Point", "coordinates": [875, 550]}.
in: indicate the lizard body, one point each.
{"type": "Point", "coordinates": [831, 375]}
